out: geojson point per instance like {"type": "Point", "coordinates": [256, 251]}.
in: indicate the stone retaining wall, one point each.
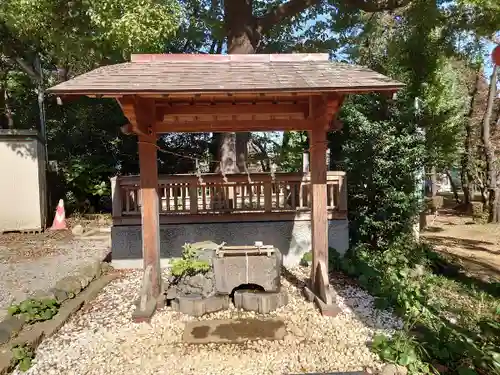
{"type": "Point", "coordinates": [71, 292]}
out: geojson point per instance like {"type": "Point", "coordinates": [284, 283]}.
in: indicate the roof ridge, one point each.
{"type": "Point", "coordinates": [191, 57]}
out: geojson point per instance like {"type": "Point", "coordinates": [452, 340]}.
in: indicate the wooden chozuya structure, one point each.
{"type": "Point", "coordinates": [228, 93]}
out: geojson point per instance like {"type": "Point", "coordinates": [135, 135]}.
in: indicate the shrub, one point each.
{"type": "Point", "coordinates": [381, 157]}
{"type": "Point", "coordinates": [401, 277]}
{"type": "Point", "coordinates": [189, 264]}
{"type": "Point", "coordinates": [401, 349]}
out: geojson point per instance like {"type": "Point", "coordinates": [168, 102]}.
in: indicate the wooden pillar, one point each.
{"type": "Point", "coordinates": [319, 218]}
{"type": "Point", "coordinates": [148, 164]}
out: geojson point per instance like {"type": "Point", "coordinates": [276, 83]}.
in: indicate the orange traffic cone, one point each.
{"type": "Point", "coordinates": [60, 218]}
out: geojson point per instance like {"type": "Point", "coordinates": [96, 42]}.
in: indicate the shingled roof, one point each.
{"type": "Point", "coordinates": [191, 74]}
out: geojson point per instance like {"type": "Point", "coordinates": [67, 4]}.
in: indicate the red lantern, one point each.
{"type": "Point", "coordinates": [495, 55]}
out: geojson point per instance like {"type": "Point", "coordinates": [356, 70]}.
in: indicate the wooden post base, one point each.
{"type": "Point", "coordinates": [326, 309]}
{"type": "Point", "coordinates": [144, 314]}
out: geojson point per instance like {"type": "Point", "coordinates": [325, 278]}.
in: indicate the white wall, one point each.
{"type": "Point", "coordinates": [20, 190]}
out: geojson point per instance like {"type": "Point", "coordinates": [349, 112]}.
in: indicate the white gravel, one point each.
{"type": "Point", "coordinates": [103, 340]}
{"type": "Point", "coordinates": [21, 277]}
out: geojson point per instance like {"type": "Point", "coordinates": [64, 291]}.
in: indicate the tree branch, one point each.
{"type": "Point", "coordinates": [283, 11]}
{"type": "Point", "coordinates": [294, 7]}
{"type": "Point", "coordinates": [372, 6]}
{"type": "Point", "coordinates": [15, 50]}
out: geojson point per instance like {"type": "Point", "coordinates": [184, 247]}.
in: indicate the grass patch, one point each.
{"type": "Point", "coordinates": [35, 310]}
{"type": "Point", "coordinates": [23, 355]}
{"type": "Point", "coordinates": [452, 323]}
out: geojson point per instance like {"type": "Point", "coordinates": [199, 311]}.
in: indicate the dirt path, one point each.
{"type": "Point", "coordinates": [475, 247]}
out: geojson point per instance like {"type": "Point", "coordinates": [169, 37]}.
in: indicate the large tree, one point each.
{"type": "Point", "coordinates": [249, 24]}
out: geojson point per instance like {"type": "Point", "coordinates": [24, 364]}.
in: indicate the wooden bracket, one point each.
{"type": "Point", "coordinates": [141, 112]}
{"type": "Point", "coordinates": [324, 108]}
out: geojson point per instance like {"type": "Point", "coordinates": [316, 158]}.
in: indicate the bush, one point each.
{"type": "Point", "coordinates": [401, 277]}
{"type": "Point", "coordinates": [189, 264]}
{"type": "Point", "coordinates": [401, 349]}
{"type": "Point", "coordinates": [381, 157]}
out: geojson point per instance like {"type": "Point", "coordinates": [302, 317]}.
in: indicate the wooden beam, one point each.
{"type": "Point", "coordinates": [207, 218]}
{"type": "Point", "coordinates": [319, 214]}
{"type": "Point", "coordinates": [234, 109]}
{"type": "Point", "coordinates": [145, 121]}
{"type": "Point", "coordinates": [235, 126]}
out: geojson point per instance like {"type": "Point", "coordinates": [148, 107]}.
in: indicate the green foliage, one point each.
{"type": "Point", "coordinates": [35, 310]}
{"type": "Point", "coordinates": [136, 25]}
{"type": "Point", "coordinates": [401, 349]}
{"type": "Point", "coordinates": [189, 264]}
{"type": "Point", "coordinates": [307, 257]}
{"type": "Point", "coordinates": [401, 277]}
{"type": "Point", "coordinates": [90, 31]}
{"type": "Point", "coordinates": [381, 155]}
{"type": "Point", "coordinates": [23, 356]}
{"type": "Point", "coordinates": [393, 274]}
{"type": "Point", "coordinates": [293, 145]}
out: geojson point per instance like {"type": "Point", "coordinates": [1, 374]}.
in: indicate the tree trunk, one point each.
{"type": "Point", "coordinates": [244, 31]}
{"type": "Point", "coordinates": [468, 156]}
{"type": "Point", "coordinates": [9, 115]}
{"type": "Point", "coordinates": [454, 188]}
{"type": "Point", "coordinates": [434, 188]}
{"type": "Point", "coordinates": [242, 38]}
{"type": "Point", "coordinates": [3, 118]}
{"type": "Point", "coordinates": [489, 151]}
{"type": "Point", "coordinates": [227, 153]}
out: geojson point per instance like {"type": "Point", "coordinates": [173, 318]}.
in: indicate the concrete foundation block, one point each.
{"type": "Point", "coordinates": [261, 302]}
{"type": "Point", "coordinates": [292, 238]}
{"type": "Point", "coordinates": [196, 305]}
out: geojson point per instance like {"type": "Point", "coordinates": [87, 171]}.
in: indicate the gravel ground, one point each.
{"type": "Point", "coordinates": [36, 262]}
{"type": "Point", "coordinates": [103, 340]}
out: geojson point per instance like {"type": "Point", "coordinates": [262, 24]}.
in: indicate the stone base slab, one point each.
{"type": "Point", "coordinates": [233, 331]}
